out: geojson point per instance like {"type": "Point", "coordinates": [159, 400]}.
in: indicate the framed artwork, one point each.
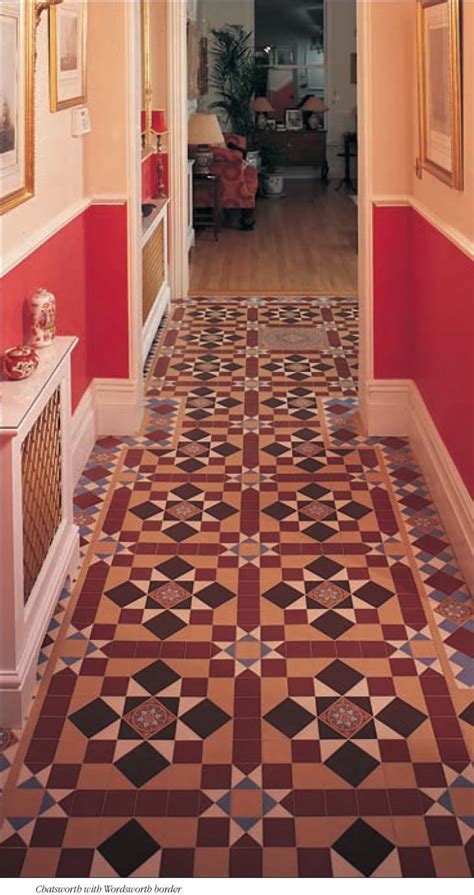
{"type": "Point", "coordinates": [17, 40]}
{"type": "Point", "coordinates": [67, 54]}
{"type": "Point", "coordinates": [440, 90]}
{"type": "Point", "coordinates": [193, 60]}
{"type": "Point", "coordinates": [294, 119]}
{"type": "Point", "coordinates": [283, 56]}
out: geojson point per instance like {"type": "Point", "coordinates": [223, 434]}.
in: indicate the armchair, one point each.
{"type": "Point", "coordinates": [239, 181]}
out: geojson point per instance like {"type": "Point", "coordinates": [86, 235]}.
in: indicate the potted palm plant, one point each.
{"type": "Point", "coordinates": [233, 77]}
{"type": "Point", "coordinates": [271, 177]}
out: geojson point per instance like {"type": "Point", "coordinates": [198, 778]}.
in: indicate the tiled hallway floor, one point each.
{"type": "Point", "coordinates": [262, 668]}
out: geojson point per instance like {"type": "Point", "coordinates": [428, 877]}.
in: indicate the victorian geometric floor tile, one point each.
{"type": "Point", "coordinates": [262, 668]}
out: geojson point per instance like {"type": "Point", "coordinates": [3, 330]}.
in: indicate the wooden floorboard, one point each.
{"type": "Point", "coordinates": [304, 242]}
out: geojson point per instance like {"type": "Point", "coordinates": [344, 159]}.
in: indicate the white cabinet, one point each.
{"type": "Point", "coordinates": [155, 281]}
{"type": "Point", "coordinates": [39, 544]}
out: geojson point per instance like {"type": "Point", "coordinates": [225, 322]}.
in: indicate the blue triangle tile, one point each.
{"type": "Point", "coordinates": [468, 820]}
{"type": "Point", "coordinates": [32, 783]}
{"type": "Point", "coordinates": [246, 783]}
{"type": "Point", "coordinates": [445, 801]}
{"type": "Point", "coordinates": [46, 803]}
{"type": "Point", "coordinates": [245, 822]}
{"type": "Point", "coordinates": [19, 822]}
{"type": "Point", "coordinates": [461, 782]}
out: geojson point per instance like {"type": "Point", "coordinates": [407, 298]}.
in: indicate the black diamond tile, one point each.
{"type": "Point", "coordinates": [215, 595]}
{"type": "Point", "coordinates": [180, 532]}
{"type": "Point", "coordinates": [124, 593]}
{"type": "Point", "coordinates": [401, 717]}
{"type": "Point", "coordinates": [141, 764]}
{"type": "Point", "coordinates": [332, 624]}
{"type": "Point", "coordinates": [276, 449]}
{"type": "Point", "coordinates": [186, 492]}
{"type": "Point", "coordinates": [339, 676]}
{"type": "Point", "coordinates": [354, 510]}
{"type": "Point", "coordinates": [352, 764]}
{"type": "Point", "coordinates": [174, 568]}
{"type": "Point", "coordinates": [128, 848]}
{"type": "Point", "coordinates": [306, 434]}
{"type": "Point", "coordinates": [205, 718]}
{"type": "Point", "coordinates": [313, 491]}
{"type": "Point", "coordinates": [197, 434]}
{"type": "Point", "coordinates": [324, 567]}
{"type": "Point", "coordinates": [278, 510]}
{"type": "Point", "coordinates": [319, 532]}
{"type": "Point", "coordinates": [282, 595]}
{"type": "Point", "coordinates": [373, 594]}
{"type": "Point", "coordinates": [165, 624]}
{"type": "Point", "coordinates": [363, 847]}
{"type": "Point", "coordinates": [288, 717]}
{"type": "Point", "coordinates": [225, 449]}
{"type": "Point", "coordinates": [468, 714]}
{"type": "Point", "coordinates": [221, 511]}
{"type": "Point", "coordinates": [93, 717]}
{"type": "Point", "coordinates": [145, 510]}
{"type": "Point", "coordinates": [310, 465]}
{"type": "Point", "coordinates": [191, 465]}
{"type": "Point", "coordinates": [156, 677]}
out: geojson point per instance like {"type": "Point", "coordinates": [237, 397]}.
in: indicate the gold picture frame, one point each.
{"type": "Point", "coordinates": [439, 65]}
{"type": "Point", "coordinates": [67, 54]}
{"type": "Point", "coordinates": [17, 41]}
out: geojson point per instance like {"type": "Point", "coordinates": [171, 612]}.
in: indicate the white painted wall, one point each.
{"type": "Point", "coordinates": [216, 14]}
{"type": "Point", "coordinates": [341, 95]}
{"type": "Point", "coordinates": [58, 162]}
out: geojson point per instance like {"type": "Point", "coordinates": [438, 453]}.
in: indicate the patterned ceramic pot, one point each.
{"type": "Point", "coordinates": [19, 362]}
{"type": "Point", "coordinates": [43, 318]}
{"type": "Point", "coordinates": [272, 185]}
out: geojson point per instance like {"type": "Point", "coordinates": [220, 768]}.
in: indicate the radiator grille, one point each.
{"type": "Point", "coordinates": [41, 489]}
{"type": "Point", "coordinates": [153, 257]}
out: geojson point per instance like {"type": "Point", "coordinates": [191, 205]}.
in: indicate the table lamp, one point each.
{"type": "Point", "coordinates": [261, 106]}
{"type": "Point", "coordinates": [158, 126]}
{"type": "Point", "coordinates": [204, 131]}
{"type": "Point", "coordinates": [316, 108]}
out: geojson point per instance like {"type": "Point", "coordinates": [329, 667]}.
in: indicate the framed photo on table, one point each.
{"type": "Point", "coordinates": [294, 119]}
{"type": "Point", "coordinates": [67, 54]}
{"type": "Point", "coordinates": [440, 90]}
{"type": "Point", "coordinates": [17, 101]}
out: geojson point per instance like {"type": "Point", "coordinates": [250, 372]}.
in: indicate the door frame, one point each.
{"type": "Point", "coordinates": [179, 260]}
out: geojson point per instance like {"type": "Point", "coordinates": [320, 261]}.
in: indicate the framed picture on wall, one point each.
{"type": "Point", "coordinates": [67, 54]}
{"type": "Point", "coordinates": [17, 100]}
{"type": "Point", "coordinates": [440, 90]}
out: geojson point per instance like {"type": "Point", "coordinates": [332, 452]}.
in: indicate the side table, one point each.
{"type": "Point", "coordinates": [207, 202]}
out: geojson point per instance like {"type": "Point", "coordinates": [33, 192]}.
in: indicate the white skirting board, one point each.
{"type": "Point", "coordinates": [396, 407]}
{"type": "Point", "coordinates": [154, 318]}
{"type": "Point", "coordinates": [83, 432]}
{"type": "Point", "coordinates": [118, 406]}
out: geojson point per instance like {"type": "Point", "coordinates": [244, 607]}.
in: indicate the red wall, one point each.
{"type": "Point", "coordinates": [85, 266]}
{"type": "Point", "coordinates": [150, 176]}
{"type": "Point", "coordinates": [424, 323]}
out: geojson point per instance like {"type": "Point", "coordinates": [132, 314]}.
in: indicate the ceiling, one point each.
{"type": "Point", "coordinates": [297, 17]}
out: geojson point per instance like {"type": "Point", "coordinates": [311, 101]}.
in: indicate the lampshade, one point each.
{"type": "Point", "coordinates": [261, 104]}
{"type": "Point", "coordinates": [314, 104]}
{"type": "Point", "coordinates": [158, 121]}
{"type": "Point", "coordinates": [204, 129]}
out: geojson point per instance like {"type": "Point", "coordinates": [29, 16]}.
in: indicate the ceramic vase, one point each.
{"type": "Point", "coordinates": [19, 362]}
{"type": "Point", "coordinates": [43, 318]}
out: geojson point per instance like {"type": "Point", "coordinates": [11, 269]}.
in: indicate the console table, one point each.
{"type": "Point", "coordinates": [298, 147]}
